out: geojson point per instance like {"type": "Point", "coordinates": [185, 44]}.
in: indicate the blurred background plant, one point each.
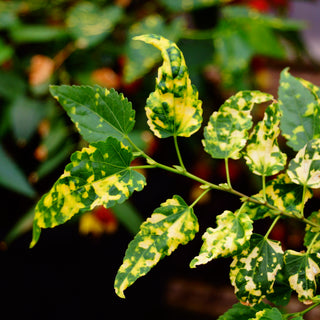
{"type": "Point", "coordinates": [228, 46]}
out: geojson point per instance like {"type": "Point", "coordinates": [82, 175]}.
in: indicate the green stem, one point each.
{"type": "Point", "coordinates": [178, 152]}
{"type": "Point", "coordinates": [303, 201]}
{"type": "Point", "coordinates": [199, 198]}
{"type": "Point", "coordinates": [272, 226]}
{"type": "Point", "coordinates": [312, 242]}
{"type": "Point", "coordinates": [303, 312]}
{"type": "Point", "coordinates": [227, 172]}
{"type": "Point", "coordinates": [264, 188]}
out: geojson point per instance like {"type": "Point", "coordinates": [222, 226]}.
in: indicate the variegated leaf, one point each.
{"type": "Point", "coordinates": [173, 109]}
{"type": "Point", "coordinates": [300, 106]}
{"type": "Point", "coordinates": [97, 112]}
{"type": "Point", "coordinates": [229, 238]}
{"type": "Point", "coordinates": [268, 314]}
{"type": "Point", "coordinates": [227, 131]}
{"type": "Point", "coordinates": [304, 169]}
{"type": "Point", "coordinates": [172, 224]}
{"type": "Point", "coordinates": [283, 194]}
{"type": "Point", "coordinates": [302, 270]}
{"type": "Point", "coordinates": [97, 175]}
{"type": "Point", "coordinates": [253, 272]}
{"type": "Point", "coordinates": [312, 236]}
{"type": "Point", "coordinates": [263, 155]}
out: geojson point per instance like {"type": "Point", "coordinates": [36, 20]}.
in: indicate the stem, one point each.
{"type": "Point", "coordinates": [178, 152]}
{"type": "Point", "coordinates": [303, 200]}
{"type": "Point", "coordinates": [227, 172]}
{"type": "Point", "coordinates": [303, 312]}
{"type": "Point", "coordinates": [312, 242]}
{"type": "Point", "coordinates": [198, 199]}
{"type": "Point", "coordinates": [264, 187]}
{"type": "Point", "coordinates": [271, 227]}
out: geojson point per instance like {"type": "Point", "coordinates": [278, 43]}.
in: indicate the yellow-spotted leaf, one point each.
{"type": "Point", "coordinates": [229, 238]}
{"type": "Point", "coordinates": [171, 224]}
{"type": "Point", "coordinates": [283, 194]}
{"type": "Point", "coordinates": [227, 131]}
{"type": "Point", "coordinates": [97, 112]}
{"type": "Point", "coordinates": [263, 155]}
{"type": "Point", "coordinates": [97, 175]}
{"type": "Point", "coordinates": [173, 109]}
{"type": "Point", "coordinates": [254, 271]}
{"type": "Point", "coordinates": [304, 169]}
{"type": "Point", "coordinates": [299, 102]}
{"type": "Point", "coordinates": [302, 269]}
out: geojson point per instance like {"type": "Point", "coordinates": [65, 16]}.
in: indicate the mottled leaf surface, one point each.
{"type": "Point", "coordinates": [171, 224]}
{"type": "Point", "coordinates": [97, 112]}
{"type": "Point", "coordinates": [283, 194]}
{"type": "Point", "coordinates": [253, 272]}
{"type": "Point", "coordinates": [304, 169]}
{"type": "Point", "coordinates": [263, 155]}
{"type": "Point", "coordinates": [230, 237]}
{"type": "Point", "coordinates": [302, 269]}
{"type": "Point", "coordinates": [300, 107]}
{"type": "Point", "coordinates": [173, 109]}
{"type": "Point", "coordinates": [88, 24]}
{"type": "Point", "coordinates": [312, 235]}
{"type": "Point", "coordinates": [97, 175]}
{"type": "Point", "coordinates": [227, 131]}
{"type": "Point", "coordinates": [268, 314]}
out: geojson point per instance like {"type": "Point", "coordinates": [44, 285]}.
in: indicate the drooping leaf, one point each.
{"type": "Point", "coordinates": [302, 270]}
{"type": "Point", "coordinates": [300, 107]}
{"type": "Point", "coordinates": [262, 154]}
{"type": "Point", "coordinates": [242, 312]}
{"type": "Point", "coordinates": [229, 238]}
{"type": "Point", "coordinates": [312, 232]}
{"type": "Point", "coordinates": [304, 169]}
{"type": "Point", "coordinates": [97, 175]}
{"type": "Point", "coordinates": [142, 58]}
{"type": "Point", "coordinates": [172, 224]}
{"type": "Point", "coordinates": [188, 5]}
{"type": "Point", "coordinates": [283, 194]}
{"type": "Point", "coordinates": [12, 177]}
{"type": "Point", "coordinates": [97, 112]}
{"type": "Point", "coordinates": [227, 130]}
{"type": "Point", "coordinates": [253, 272]}
{"type": "Point", "coordinates": [173, 109]}
{"type": "Point", "coordinates": [89, 24]}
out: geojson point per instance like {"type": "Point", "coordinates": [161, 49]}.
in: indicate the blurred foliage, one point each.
{"type": "Point", "coordinates": [79, 42]}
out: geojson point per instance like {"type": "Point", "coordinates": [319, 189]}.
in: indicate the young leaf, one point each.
{"type": "Point", "coordinates": [262, 154]}
{"type": "Point", "coordinates": [283, 194]}
{"type": "Point", "coordinates": [173, 109]}
{"type": "Point", "coordinates": [304, 169]}
{"type": "Point", "coordinates": [242, 312]}
{"type": "Point", "coordinates": [268, 314]}
{"type": "Point", "coordinates": [253, 272]}
{"type": "Point", "coordinates": [301, 271]}
{"type": "Point", "coordinates": [312, 232]}
{"type": "Point", "coordinates": [97, 112]}
{"type": "Point", "coordinates": [229, 238]}
{"type": "Point", "coordinates": [97, 175]}
{"type": "Point", "coordinates": [172, 224]}
{"type": "Point", "coordinates": [227, 130]}
{"type": "Point", "coordinates": [300, 107]}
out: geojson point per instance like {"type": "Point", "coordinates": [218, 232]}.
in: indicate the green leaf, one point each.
{"type": "Point", "coordinates": [12, 177]}
{"type": "Point", "coordinates": [229, 238]}
{"type": "Point", "coordinates": [281, 290]}
{"type": "Point", "coordinates": [312, 232]}
{"type": "Point", "coordinates": [301, 271]}
{"type": "Point", "coordinates": [97, 175]}
{"type": "Point", "coordinates": [300, 107]}
{"type": "Point", "coordinates": [188, 5]}
{"type": "Point", "coordinates": [89, 24]}
{"type": "Point", "coordinates": [142, 58]}
{"type": "Point", "coordinates": [282, 194]}
{"type": "Point", "coordinates": [304, 169]}
{"type": "Point", "coordinates": [227, 130]}
{"type": "Point", "coordinates": [97, 112]}
{"type": "Point", "coordinates": [172, 224]}
{"type": "Point", "coordinates": [268, 314]}
{"type": "Point", "coordinates": [253, 272]}
{"type": "Point", "coordinates": [242, 312]}
{"type": "Point", "coordinates": [173, 109]}
{"type": "Point", "coordinates": [262, 154]}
